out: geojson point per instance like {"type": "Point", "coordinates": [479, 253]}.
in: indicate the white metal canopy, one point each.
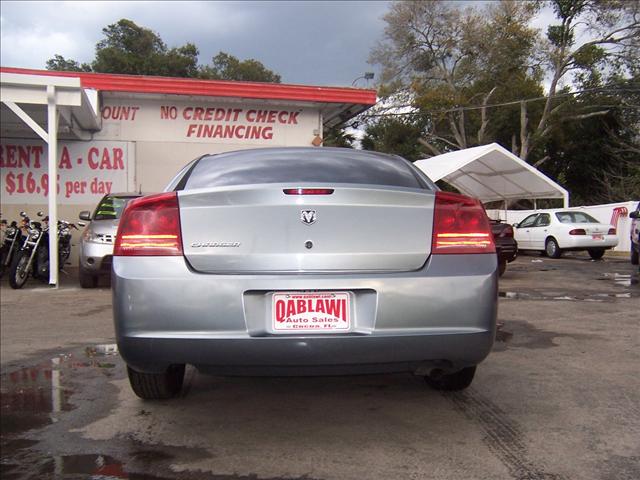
{"type": "Point", "coordinates": [49, 100]}
{"type": "Point", "coordinates": [490, 173]}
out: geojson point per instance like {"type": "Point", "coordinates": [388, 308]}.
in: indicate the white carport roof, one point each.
{"type": "Point", "coordinates": [490, 173]}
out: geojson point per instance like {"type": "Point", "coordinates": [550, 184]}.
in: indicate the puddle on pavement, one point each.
{"type": "Point", "coordinates": [30, 398]}
{"type": "Point", "coordinates": [611, 283]}
{"type": "Point", "coordinates": [501, 334]}
{"type": "Point", "coordinates": [34, 397]}
{"type": "Point", "coordinates": [105, 349]}
{"type": "Point", "coordinates": [93, 466]}
{"type": "Point", "coordinates": [614, 295]}
{"type": "Point", "coordinates": [593, 297]}
{"type": "Point", "coordinates": [526, 335]}
{"type": "Point", "coordinates": [620, 279]}
{"type": "Point", "coordinates": [104, 467]}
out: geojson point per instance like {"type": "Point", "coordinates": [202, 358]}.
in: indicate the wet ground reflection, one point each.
{"type": "Point", "coordinates": [593, 297]}
{"type": "Point", "coordinates": [100, 467]}
{"type": "Point", "coordinates": [31, 397]}
{"type": "Point", "coordinates": [620, 279]}
{"type": "Point", "coordinates": [629, 282]}
{"type": "Point", "coordinates": [36, 396]}
{"type": "Point", "coordinates": [91, 466]}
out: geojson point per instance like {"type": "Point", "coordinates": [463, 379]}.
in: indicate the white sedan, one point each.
{"type": "Point", "coordinates": [555, 232]}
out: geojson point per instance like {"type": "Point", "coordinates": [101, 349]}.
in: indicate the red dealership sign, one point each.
{"type": "Point", "coordinates": [86, 171]}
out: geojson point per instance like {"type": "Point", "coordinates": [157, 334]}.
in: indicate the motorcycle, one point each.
{"type": "Point", "coordinates": [11, 242]}
{"type": "Point", "coordinates": [33, 257]}
{"type": "Point", "coordinates": [64, 248]}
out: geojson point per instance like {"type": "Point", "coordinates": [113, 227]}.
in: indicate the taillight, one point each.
{"type": "Point", "coordinates": [150, 226]}
{"type": "Point", "coordinates": [460, 225]}
{"type": "Point", "coordinates": [577, 231]}
{"type": "Point", "coordinates": [308, 191]}
{"type": "Point", "coordinates": [612, 231]}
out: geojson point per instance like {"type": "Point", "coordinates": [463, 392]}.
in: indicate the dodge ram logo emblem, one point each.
{"type": "Point", "coordinates": [308, 217]}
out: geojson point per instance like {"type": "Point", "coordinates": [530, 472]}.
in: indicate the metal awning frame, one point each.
{"type": "Point", "coordinates": [62, 96]}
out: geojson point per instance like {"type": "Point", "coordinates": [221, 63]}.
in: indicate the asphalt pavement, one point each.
{"type": "Point", "coordinates": [558, 398]}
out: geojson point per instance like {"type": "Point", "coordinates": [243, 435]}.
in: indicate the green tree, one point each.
{"type": "Point", "coordinates": [228, 67]}
{"type": "Point", "coordinates": [338, 137]}
{"type": "Point", "coordinates": [612, 42]}
{"type": "Point", "coordinates": [452, 57]}
{"type": "Point", "coordinates": [458, 61]}
{"type": "Point", "coordinates": [598, 157]}
{"type": "Point", "coordinates": [128, 48]}
{"type": "Point", "coordinates": [61, 64]}
{"type": "Point", "coordinates": [475, 74]}
{"type": "Point", "coordinates": [395, 135]}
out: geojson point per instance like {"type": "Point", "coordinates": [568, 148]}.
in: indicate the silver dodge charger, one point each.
{"type": "Point", "coordinates": [303, 261]}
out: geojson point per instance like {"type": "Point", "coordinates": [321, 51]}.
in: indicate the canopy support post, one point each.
{"type": "Point", "coordinates": [52, 127]}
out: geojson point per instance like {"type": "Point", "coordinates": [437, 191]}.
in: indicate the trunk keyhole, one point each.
{"type": "Point", "coordinates": [308, 244]}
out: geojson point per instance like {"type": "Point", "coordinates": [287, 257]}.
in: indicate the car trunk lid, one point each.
{"type": "Point", "coordinates": [262, 229]}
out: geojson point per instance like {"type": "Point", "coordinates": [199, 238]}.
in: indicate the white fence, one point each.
{"type": "Point", "coordinates": [611, 213]}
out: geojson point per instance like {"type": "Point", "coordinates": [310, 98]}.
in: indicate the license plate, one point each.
{"type": "Point", "coordinates": [311, 312]}
{"type": "Point", "coordinates": [597, 237]}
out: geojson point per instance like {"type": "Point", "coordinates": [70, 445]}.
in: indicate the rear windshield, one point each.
{"type": "Point", "coordinates": [110, 208]}
{"type": "Point", "coordinates": [575, 217]}
{"type": "Point", "coordinates": [295, 166]}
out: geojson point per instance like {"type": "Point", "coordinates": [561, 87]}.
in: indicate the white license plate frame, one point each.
{"type": "Point", "coordinates": [311, 312]}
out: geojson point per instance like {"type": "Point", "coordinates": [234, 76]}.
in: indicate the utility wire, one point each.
{"type": "Point", "coordinates": [604, 89]}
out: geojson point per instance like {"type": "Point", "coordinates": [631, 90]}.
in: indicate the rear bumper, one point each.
{"type": "Point", "coordinates": [316, 355]}
{"type": "Point", "coordinates": [583, 242]}
{"type": "Point", "coordinates": [442, 315]}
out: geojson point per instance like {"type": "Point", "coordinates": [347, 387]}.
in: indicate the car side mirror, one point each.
{"type": "Point", "coordinates": [515, 225]}
{"type": "Point", "coordinates": [635, 214]}
{"type": "Point", "coordinates": [85, 215]}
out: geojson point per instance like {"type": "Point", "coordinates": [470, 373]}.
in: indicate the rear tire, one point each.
{"type": "Point", "coordinates": [596, 253]}
{"type": "Point", "coordinates": [552, 249]}
{"type": "Point", "coordinates": [452, 381]}
{"type": "Point", "coordinates": [17, 273]}
{"type": "Point", "coordinates": [634, 256]}
{"type": "Point", "coordinates": [87, 280]}
{"type": "Point", "coordinates": [157, 386]}
{"type": "Point", "coordinates": [502, 267]}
